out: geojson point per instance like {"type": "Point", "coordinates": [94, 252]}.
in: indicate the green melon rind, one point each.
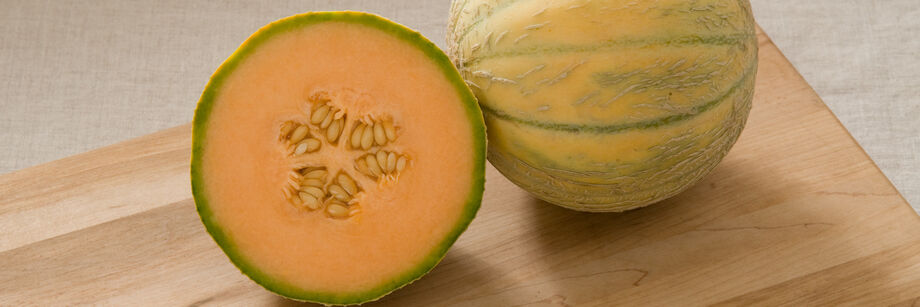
{"type": "Point", "coordinates": [203, 111]}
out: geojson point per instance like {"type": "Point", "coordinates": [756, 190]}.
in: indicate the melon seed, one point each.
{"type": "Point", "coordinates": [334, 130]}
{"type": "Point", "coordinates": [309, 201]}
{"type": "Point", "coordinates": [391, 162]}
{"type": "Point", "coordinates": [312, 183]}
{"type": "Point", "coordinates": [361, 166]}
{"type": "Point", "coordinates": [336, 209]}
{"type": "Point", "coordinates": [338, 192]}
{"type": "Point", "coordinates": [379, 136]}
{"type": "Point", "coordinates": [356, 136]}
{"type": "Point", "coordinates": [296, 200]}
{"type": "Point", "coordinates": [347, 184]}
{"type": "Point", "coordinates": [286, 191]}
{"type": "Point", "coordinates": [354, 211]}
{"type": "Point", "coordinates": [319, 115]}
{"type": "Point", "coordinates": [299, 134]}
{"type": "Point", "coordinates": [316, 192]}
{"type": "Point", "coordinates": [315, 174]}
{"type": "Point", "coordinates": [300, 149]}
{"type": "Point", "coordinates": [389, 130]}
{"type": "Point", "coordinates": [286, 129]}
{"type": "Point", "coordinates": [373, 166]}
{"type": "Point", "coordinates": [382, 160]}
{"type": "Point", "coordinates": [401, 164]}
{"type": "Point", "coordinates": [312, 145]}
{"type": "Point", "coordinates": [367, 137]}
{"type": "Point", "coordinates": [327, 120]}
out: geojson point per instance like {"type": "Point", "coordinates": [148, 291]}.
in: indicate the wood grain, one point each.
{"type": "Point", "coordinates": [797, 214]}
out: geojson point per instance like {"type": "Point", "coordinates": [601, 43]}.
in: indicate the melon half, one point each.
{"type": "Point", "coordinates": [336, 157]}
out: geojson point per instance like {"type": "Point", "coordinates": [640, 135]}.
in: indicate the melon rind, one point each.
{"type": "Point", "coordinates": [577, 94]}
{"type": "Point", "coordinates": [199, 141]}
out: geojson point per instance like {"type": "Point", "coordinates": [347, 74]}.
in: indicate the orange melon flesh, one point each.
{"type": "Point", "coordinates": [401, 223]}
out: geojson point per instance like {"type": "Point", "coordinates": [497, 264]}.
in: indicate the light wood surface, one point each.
{"type": "Point", "coordinates": [796, 214]}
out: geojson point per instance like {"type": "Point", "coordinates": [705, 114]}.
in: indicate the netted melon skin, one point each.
{"type": "Point", "coordinates": [589, 114]}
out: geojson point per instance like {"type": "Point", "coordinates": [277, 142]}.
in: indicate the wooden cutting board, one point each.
{"type": "Point", "coordinates": [796, 214]}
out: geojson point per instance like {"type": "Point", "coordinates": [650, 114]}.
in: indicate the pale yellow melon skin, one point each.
{"type": "Point", "coordinates": [607, 105]}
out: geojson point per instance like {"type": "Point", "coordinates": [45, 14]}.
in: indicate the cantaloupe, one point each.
{"type": "Point", "coordinates": [607, 105]}
{"type": "Point", "coordinates": [336, 157]}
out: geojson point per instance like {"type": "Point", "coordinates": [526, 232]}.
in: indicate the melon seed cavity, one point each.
{"type": "Point", "coordinates": [333, 189]}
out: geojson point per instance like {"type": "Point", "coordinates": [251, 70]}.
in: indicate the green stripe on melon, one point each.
{"type": "Point", "coordinates": [631, 43]}
{"type": "Point", "coordinates": [607, 105]}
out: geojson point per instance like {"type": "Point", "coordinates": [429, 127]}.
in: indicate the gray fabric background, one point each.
{"type": "Point", "coordinates": [78, 75]}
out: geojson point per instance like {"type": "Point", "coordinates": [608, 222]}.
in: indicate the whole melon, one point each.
{"type": "Point", "coordinates": [319, 164]}
{"type": "Point", "coordinates": [607, 105]}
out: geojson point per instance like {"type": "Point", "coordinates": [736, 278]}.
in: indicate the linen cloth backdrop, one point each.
{"type": "Point", "coordinates": [78, 75]}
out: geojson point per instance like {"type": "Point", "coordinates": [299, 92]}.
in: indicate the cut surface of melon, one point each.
{"type": "Point", "coordinates": [337, 156]}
